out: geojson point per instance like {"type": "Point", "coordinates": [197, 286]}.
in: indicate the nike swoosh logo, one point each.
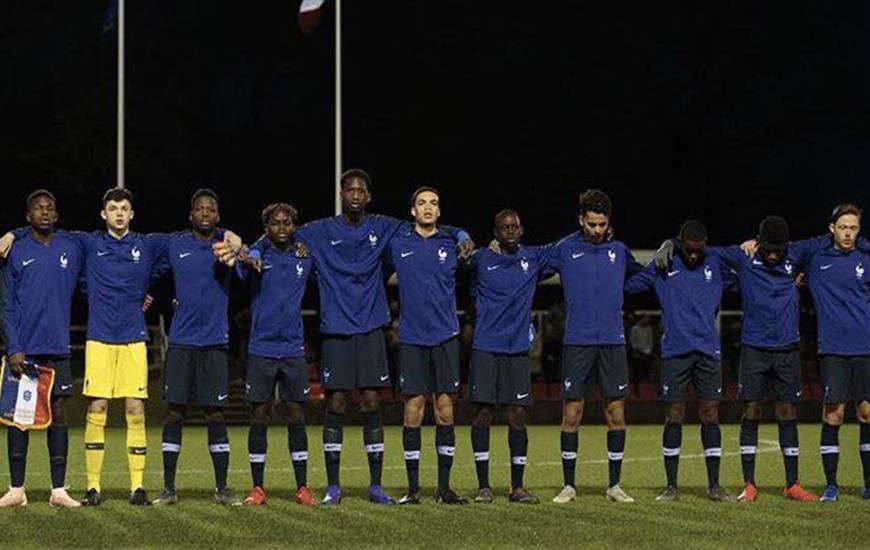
{"type": "Point", "coordinates": [575, 256]}
{"type": "Point", "coordinates": [824, 267]}
{"type": "Point", "coordinates": [757, 262]}
{"type": "Point", "coordinates": [306, 390]}
{"type": "Point", "coordinates": [223, 396]}
{"type": "Point", "coordinates": [66, 386]}
{"type": "Point", "coordinates": [622, 386]}
{"type": "Point", "coordinates": [672, 273]}
{"type": "Point", "coordinates": [185, 254]}
{"type": "Point", "coordinates": [142, 388]}
{"type": "Point", "coordinates": [102, 252]}
{"type": "Point", "coordinates": [333, 243]}
{"type": "Point", "coordinates": [491, 267]}
{"type": "Point", "coordinates": [522, 395]}
{"type": "Point", "coordinates": [406, 254]}
{"type": "Point", "coordinates": [385, 377]}
{"type": "Point", "coordinates": [28, 262]}
{"type": "Point", "coordinates": [267, 266]}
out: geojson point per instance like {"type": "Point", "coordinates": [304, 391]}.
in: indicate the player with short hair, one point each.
{"type": "Point", "coordinates": [277, 277]}
{"type": "Point", "coordinates": [593, 267]}
{"type": "Point", "coordinates": [40, 278]}
{"type": "Point", "coordinates": [503, 286]}
{"type": "Point", "coordinates": [425, 261]}
{"type": "Point", "coordinates": [690, 293]}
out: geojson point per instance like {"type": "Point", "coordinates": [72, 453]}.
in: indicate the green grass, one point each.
{"type": "Point", "coordinates": [590, 521]}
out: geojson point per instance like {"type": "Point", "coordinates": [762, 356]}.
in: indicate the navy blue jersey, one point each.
{"type": "Point", "coordinates": [276, 301]}
{"type": "Point", "coordinates": [40, 280]}
{"type": "Point", "coordinates": [503, 286]}
{"type": "Point", "coordinates": [690, 300]}
{"type": "Point", "coordinates": [593, 276]}
{"type": "Point", "coordinates": [426, 270]}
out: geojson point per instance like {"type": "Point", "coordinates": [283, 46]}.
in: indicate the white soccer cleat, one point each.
{"type": "Point", "coordinates": [60, 498]}
{"type": "Point", "coordinates": [616, 494]}
{"type": "Point", "coordinates": [13, 498]}
{"type": "Point", "coordinates": [566, 495]}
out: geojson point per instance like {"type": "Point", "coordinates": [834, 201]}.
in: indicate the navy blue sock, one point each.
{"type": "Point", "coordinates": [788, 444]}
{"type": "Point", "coordinates": [672, 440]}
{"type": "Point", "coordinates": [570, 443]}
{"type": "Point", "coordinates": [864, 446]}
{"type": "Point", "coordinates": [411, 443]}
{"type": "Point", "coordinates": [615, 450]}
{"type": "Point", "coordinates": [518, 443]}
{"type": "Point", "coordinates": [830, 448]}
{"type": "Point", "coordinates": [373, 438]}
{"type": "Point", "coordinates": [445, 446]}
{"type": "Point", "coordinates": [333, 435]}
{"type": "Point", "coordinates": [17, 443]}
{"type": "Point", "coordinates": [711, 439]}
{"type": "Point", "coordinates": [748, 448]}
{"type": "Point", "coordinates": [219, 448]}
{"type": "Point", "coordinates": [171, 449]}
{"type": "Point", "coordinates": [480, 447]}
{"type": "Point", "coordinates": [297, 442]}
{"type": "Point", "coordinates": [258, 445]}
{"type": "Point", "coordinates": [57, 437]}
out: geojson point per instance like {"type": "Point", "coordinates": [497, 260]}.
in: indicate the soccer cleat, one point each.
{"type": "Point", "coordinates": [92, 498]}
{"type": "Point", "coordinates": [566, 495]}
{"type": "Point", "coordinates": [749, 493]}
{"type": "Point", "coordinates": [333, 496]}
{"type": "Point", "coordinates": [256, 497]}
{"type": "Point", "coordinates": [377, 495]}
{"type": "Point", "coordinates": [717, 494]}
{"type": "Point", "coordinates": [668, 494]}
{"type": "Point", "coordinates": [410, 498]}
{"type": "Point", "coordinates": [831, 494]}
{"type": "Point", "coordinates": [226, 497]}
{"type": "Point", "coordinates": [447, 496]}
{"type": "Point", "coordinates": [167, 498]}
{"type": "Point", "coordinates": [522, 495]}
{"type": "Point", "coordinates": [139, 498]}
{"type": "Point", "coordinates": [61, 499]}
{"type": "Point", "coordinates": [796, 492]}
{"type": "Point", "coordinates": [616, 494]}
{"type": "Point", "coordinates": [305, 497]}
{"type": "Point", "coordinates": [484, 496]}
{"type": "Point", "coordinates": [13, 498]}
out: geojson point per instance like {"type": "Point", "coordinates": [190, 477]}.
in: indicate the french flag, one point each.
{"type": "Point", "coordinates": [309, 15]}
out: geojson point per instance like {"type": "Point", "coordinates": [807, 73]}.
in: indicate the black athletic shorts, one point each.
{"type": "Point", "coordinates": [584, 366]}
{"type": "Point", "coordinates": [778, 370]}
{"type": "Point", "coordinates": [196, 374]}
{"type": "Point", "coordinates": [837, 373]}
{"type": "Point", "coordinates": [500, 378]}
{"type": "Point", "coordinates": [425, 370]}
{"type": "Point", "coordinates": [63, 381]}
{"type": "Point", "coordinates": [354, 361]}
{"type": "Point", "coordinates": [262, 374]}
{"type": "Point", "coordinates": [704, 372]}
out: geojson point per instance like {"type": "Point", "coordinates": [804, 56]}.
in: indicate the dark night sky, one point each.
{"type": "Point", "coordinates": [725, 111]}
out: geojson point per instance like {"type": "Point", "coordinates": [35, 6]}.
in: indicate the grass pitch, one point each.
{"type": "Point", "coordinates": [590, 521]}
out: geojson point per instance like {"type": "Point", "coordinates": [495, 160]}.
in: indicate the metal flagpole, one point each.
{"type": "Point", "coordinates": [120, 152]}
{"type": "Point", "coordinates": [339, 161]}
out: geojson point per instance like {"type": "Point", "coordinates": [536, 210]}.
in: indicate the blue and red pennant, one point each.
{"type": "Point", "coordinates": [25, 402]}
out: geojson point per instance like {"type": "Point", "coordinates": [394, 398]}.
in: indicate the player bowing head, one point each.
{"type": "Point", "coordinates": [773, 239]}
{"type": "Point", "coordinates": [595, 210]}
{"type": "Point", "coordinates": [693, 242]}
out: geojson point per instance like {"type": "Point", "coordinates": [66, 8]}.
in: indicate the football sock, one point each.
{"type": "Point", "coordinates": [333, 434]}
{"type": "Point", "coordinates": [788, 444]}
{"type": "Point", "coordinates": [258, 445]}
{"type": "Point", "coordinates": [17, 442]}
{"type": "Point", "coordinates": [297, 442]}
{"type": "Point", "coordinates": [57, 438]}
{"type": "Point", "coordinates": [480, 447]}
{"type": "Point", "coordinates": [171, 451]}
{"type": "Point", "coordinates": [672, 439]}
{"type": "Point", "coordinates": [711, 439]}
{"type": "Point", "coordinates": [518, 443]}
{"type": "Point", "coordinates": [136, 449]}
{"type": "Point", "coordinates": [219, 448]}
{"type": "Point", "coordinates": [748, 448]}
{"type": "Point", "coordinates": [373, 438]}
{"type": "Point", "coordinates": [615, 449]}
{"type": "Point", "coordinates": [445, 445]}
{"type": "Point", "coordinates": [830, 449]}
{"type": "Point", "coordinates": [411, 443]}
{"type": "Point", "coordinates": [864, 446]}
{"type": "Point", "coordinates": [95, 444]}
{"type": "Point", "coordinates": [570, 443]}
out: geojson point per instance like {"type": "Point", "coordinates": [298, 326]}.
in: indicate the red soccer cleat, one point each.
{"type": "Point", "coordinates": [796, 492]}
{"type": "Point", "coordinates": [257, 497]}
{"type": "Point", "coordinates": [305, 497]}
{"type": "Point", "coordinates": [749, 493]}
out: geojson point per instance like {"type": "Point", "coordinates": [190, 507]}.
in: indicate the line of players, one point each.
{"type": "Point", "coordinates": [349, 255]}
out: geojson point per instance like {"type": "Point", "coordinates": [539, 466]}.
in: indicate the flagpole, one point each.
{"type": "Point", "coordinates": [339, 160]}
{"type": "Point", "coordinates": [119, 177]}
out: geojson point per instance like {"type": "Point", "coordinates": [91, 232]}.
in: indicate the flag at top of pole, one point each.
{"type": "Point", "coordinates": [309, 15]}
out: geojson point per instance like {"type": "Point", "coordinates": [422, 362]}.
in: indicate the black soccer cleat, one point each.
{"type": "Point", "coordinates": [447, 496]}
{"type": "Point", "coordinates": [92, 498]}
{"type": "Point", "coordinates": [139, 498]}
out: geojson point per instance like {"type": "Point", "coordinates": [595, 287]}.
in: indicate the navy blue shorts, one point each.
{"type": "Point", "coordinates": [354, 361]}
{"type": "Point", "coordinates": [196, 374]}
{"type": "Point", "coordinates": [500, 378]}
{"type": "Point", "coordinates": [585, 366]}
{"type": "Point", "coordinates": [778, 371]}
{"type": "Point", "coordinates": [837, 373]}
{"type": "Point", "coordinates": [424, 370]}
{"type": "Point", "coordinates": [262, 374]}
{"type": "Point", "coordinates": [63, 381]}
{"type": "Point", "coordinates": [704, 372]}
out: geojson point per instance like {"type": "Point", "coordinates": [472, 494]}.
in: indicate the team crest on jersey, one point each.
{"type": "Point", "coordinates": [135, 253]}
{"type": "Point", "coordinates": [788, 267]}
{"type": "Point", "coordinates": [299, 269]}
{"type": "Point", "coordinates": [611, 255]}
{"type": "Point", "coordinates": [708, 274]}
{"type": "Point", "coordinates": [373, 239]}
{"type": "Point", "coordinates": [525, 265]}
{"type": "Point", "coordinates": [859, 271]}
{"type": "Point", "coordinates": [64, 260]}
{"type": "Point", "coordinates": [442, 255]}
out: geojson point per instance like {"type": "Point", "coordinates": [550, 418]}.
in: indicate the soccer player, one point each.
{"type": "Point", "coordinates": [276, 350]}
{"type": "Point", "coordinates": [40, 277]}
{"type": "Point", "coordinates": [425, 261]}
{"type": "Point", "coordinates": [690, 292]}
{"type": "Point", "coordinates": [347, 252]}
{"type": "Point", "coordinates": [592, 267]}
{"type": "Point", "coordinates": [769, 357]}
{"type": "Point", "coordinates": [503, 286]}
{"type": "Point", "coordinates": [196, 361]}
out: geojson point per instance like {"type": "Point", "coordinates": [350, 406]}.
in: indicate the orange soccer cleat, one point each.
{"type": "Point", "coordinates": [749, 493]}
{"type": "Point", "coordinates": [305, 497]}
{"type": "Point", "coordinates": [796, 492]}
{"type": "Point", "coordinates": [257, 497]}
